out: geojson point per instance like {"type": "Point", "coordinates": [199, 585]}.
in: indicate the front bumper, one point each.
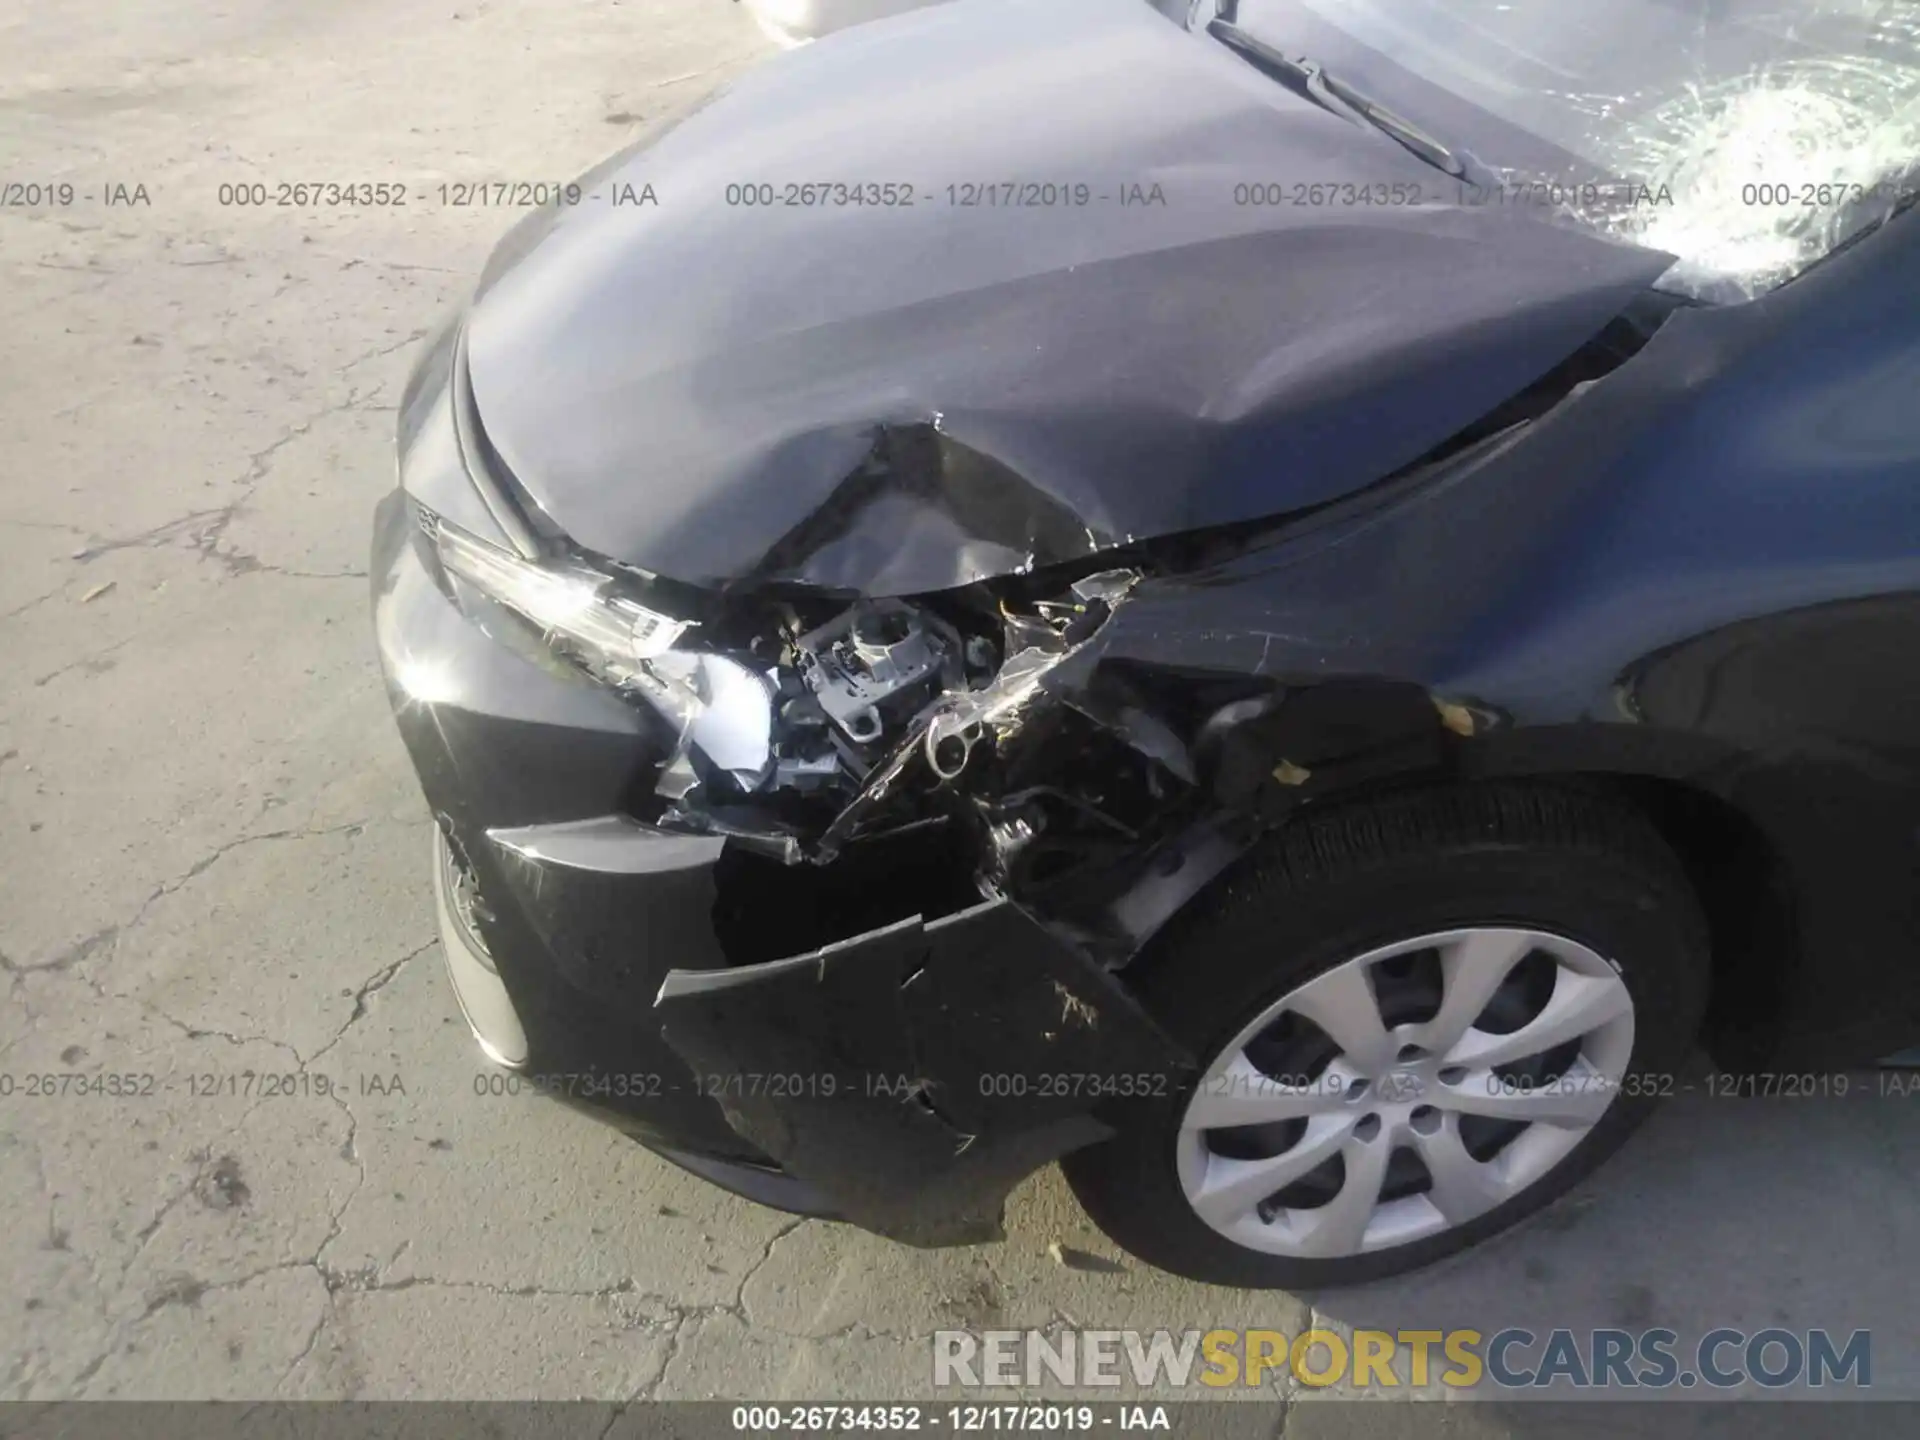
{"type": "Point", "coordinates": [866, 1039]}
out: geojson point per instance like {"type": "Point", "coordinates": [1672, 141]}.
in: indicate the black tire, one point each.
{"type": "Point", "coordinates": [1337, 884]}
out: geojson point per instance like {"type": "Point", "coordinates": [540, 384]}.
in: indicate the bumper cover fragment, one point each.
{"type": "Point", "coordinates": [916, 1074]}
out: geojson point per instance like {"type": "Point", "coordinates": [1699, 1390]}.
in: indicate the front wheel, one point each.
{"type": "Point", "coordinates": [1419, 1019]}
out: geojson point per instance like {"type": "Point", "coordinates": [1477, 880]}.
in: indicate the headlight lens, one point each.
{"type": "Point", "coordinates": [571, 601]}
{"type": "Point", "coordinates": [720, 706]}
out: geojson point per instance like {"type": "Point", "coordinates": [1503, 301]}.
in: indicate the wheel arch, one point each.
{"type": "Point", "coordinates": [1353, 742]}
{"type": "Point", "coordinates": [1745, 889]}
{"type": "Point", "coordinates": [1739, 877]}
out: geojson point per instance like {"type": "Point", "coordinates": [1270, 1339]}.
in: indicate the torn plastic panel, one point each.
{"type": "Point", "coordinates": [913, 1074]}
{"type": "Point", "coordinates": [916, 1074]}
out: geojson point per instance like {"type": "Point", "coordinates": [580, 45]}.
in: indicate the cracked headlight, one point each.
{"type": "Point", "coordinates": [719, 706]}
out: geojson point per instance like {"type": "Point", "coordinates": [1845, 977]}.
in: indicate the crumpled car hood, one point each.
{"type": "Point", "coordinates": [1111, 343]}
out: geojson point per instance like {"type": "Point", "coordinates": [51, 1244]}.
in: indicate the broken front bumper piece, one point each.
{"type": "Point", "coordinates": [935, 1061]}
{"type": "Point", "coordinates": [914, 1075]}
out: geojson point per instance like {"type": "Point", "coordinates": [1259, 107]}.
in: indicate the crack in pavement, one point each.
{"type": "Point", "coordinates": [89, 661]}
{"type": "Point", "coordinates": [207, 527]}
{"type": "Point", "coordinates": [192, 1032]}
{"type": "Point", "coordinates": [384, 350]}
{"type": "Point", "coordinates": [354, 261]}
{"type": "Point", "coordinates": [359, 1282]}
{"type": "Point", "coordinates": [109, 936]}
{"type": "Point", "coordinates": [145, 539]}
{"type": "Point", "coordinates": [739, 1305]}
{"type": "Point", "coordinates": [106, 939]}
{"type": "Point", "coordinates": [37, 600]}
{"type": "Point", "coordinates": [306, 1349]}
{"type": "Point", "coordinates": [366, 1281]}
{"type": "Point", "coordinates": [379, 981]}
{"type": "Point", "coordinates": [172, 1292]}
{"type": "Point", "coordinates": [679, 1318]}
{"type": "Point", "coordinates": [647, 1391]}
{"type": "Point", "coordinates": [119, 1332]}
{"type": "Point", "coordinates": [349, 1148]}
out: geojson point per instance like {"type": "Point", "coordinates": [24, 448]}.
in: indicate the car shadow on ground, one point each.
{"type": "Point", "coordinates": [1745, 1213]}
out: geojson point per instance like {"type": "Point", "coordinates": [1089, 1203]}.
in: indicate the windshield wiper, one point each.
{"type": "Point", "coordinates": [1311, 80]}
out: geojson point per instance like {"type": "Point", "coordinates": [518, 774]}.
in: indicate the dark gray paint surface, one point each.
{"type": "Point", "coordinates": [904, 398]}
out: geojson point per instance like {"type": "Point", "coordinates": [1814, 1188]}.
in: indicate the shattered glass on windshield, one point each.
{"type": "Point", "coordinates": [1748, 138]}
{"type": "Point", "coordinates": [1769, 171]}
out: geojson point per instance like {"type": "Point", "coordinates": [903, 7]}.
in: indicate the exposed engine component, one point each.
{"type": "Point", "coordinates": [1043, 641]}
{"type": "Point", "coordinates": [798, 732]}
{"type": "Point", "coordinates": [852, 686]}
{"type": "Point", "coordinates": [822, 740]}
{"type": "Point", "coordinates": [823, 716]}
{"type": "Point", "coordinates": [870, 655]}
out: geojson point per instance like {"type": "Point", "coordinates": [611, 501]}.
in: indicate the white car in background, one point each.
{"type": "Point", "coordinates": [794, 22]}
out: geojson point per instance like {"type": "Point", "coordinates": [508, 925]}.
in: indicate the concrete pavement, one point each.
{"type": "Point", "coordinates": [213, 855]}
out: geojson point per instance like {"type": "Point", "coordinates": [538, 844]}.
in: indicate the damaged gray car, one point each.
{"type": "Point", "coordinates": [1289, 604]}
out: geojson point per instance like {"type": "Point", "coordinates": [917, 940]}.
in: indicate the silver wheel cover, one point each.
{"type": "Point", "coordinates": [1407, 1086]}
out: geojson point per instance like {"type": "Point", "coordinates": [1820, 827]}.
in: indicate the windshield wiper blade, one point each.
{"type": "Point", "coordinates": [1312, 80]}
